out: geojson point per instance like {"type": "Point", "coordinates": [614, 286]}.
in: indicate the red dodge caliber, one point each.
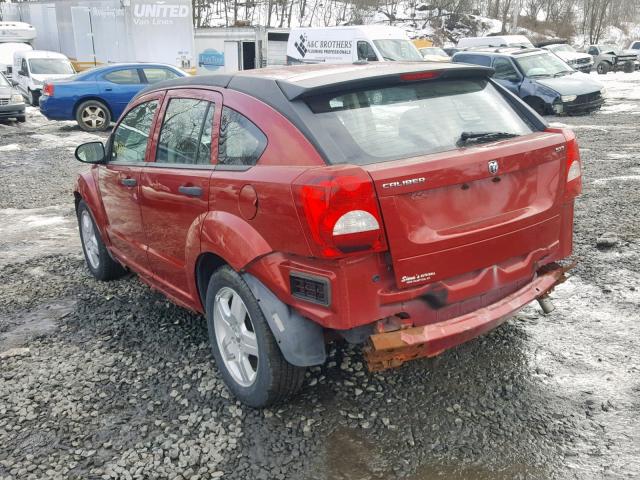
{"type": "Point", "coordinates": [406, 207]}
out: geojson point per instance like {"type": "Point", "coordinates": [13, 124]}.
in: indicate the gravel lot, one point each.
{"type": "Point", "coordinates": [110, 380]}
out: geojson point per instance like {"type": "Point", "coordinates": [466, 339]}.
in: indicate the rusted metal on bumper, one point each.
{"type": "Point", "coordinates": [392, 349]}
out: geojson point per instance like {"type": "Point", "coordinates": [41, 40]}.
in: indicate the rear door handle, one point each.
{"type": "Point", "coordinates": [108, 89]}
{"type": "Point", "coordinates": [128, 182]}
{"type": "Point", "coordinates": [190, 191]}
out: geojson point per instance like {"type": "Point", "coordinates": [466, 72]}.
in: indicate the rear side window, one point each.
{"type": "Point", "coordinates": [155, 75]}
{"type": "Point", "coordinates": [131, 136]}
{"type": "Point", "coordinates": [241, 142]}
{"type": "Point", "coordinates": [185, 135]}
{"type": "Point", "coordinates": [123, 77]}
{"type": "Point", "coordinates": [377, 125]}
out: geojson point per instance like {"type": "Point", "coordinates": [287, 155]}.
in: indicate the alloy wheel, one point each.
{"type": "Point", "coordinates": [235, 336]}
{"type": "Point", "coordinates": [93, 116]}
{"type": "Point", "coordinates": [89, 240]}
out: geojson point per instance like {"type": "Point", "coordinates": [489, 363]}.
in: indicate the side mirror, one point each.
{"type": "Point", "coordinates": [91, 152]}
{"type": "Point", "coordinates": [14, 83]}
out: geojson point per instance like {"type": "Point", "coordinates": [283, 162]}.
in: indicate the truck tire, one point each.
{"type": "Point", "coordinates": [629, 67]}
{"type": "Point", "coordinates": [245, 350]}
{"type": "Point", "coordinates": [33, 98]}
{"type": "Point", "coordinates": [603, 67]}
{"type": "Point", "coordinates": [21, 119]}
{"type": "Point", "coordinates": [93, 116]}
{"type": "Point", "coordinates": [98, 260]}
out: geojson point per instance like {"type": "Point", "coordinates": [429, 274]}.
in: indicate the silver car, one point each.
{"type": "Point", "coordinates": [11, 101]}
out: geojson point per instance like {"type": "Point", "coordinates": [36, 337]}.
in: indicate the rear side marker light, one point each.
{"type": "Point", "coordinates": [412, 77]}
{"type": "Point", "coordinates": [310, 288]}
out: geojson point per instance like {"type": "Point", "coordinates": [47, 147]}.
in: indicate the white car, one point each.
{"type": "Point", "coordinates": [580, 61]}
{"type": "Point", "coordinates": [32, 68]}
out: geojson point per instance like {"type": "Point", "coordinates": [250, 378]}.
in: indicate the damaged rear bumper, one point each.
{"type": "Point", "coordinates": [392, 349]}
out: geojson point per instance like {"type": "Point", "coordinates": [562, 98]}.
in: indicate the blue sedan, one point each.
{"type": "Point", "coordinates": [97, 97]}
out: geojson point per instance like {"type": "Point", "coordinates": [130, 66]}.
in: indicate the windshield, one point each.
{"type": "Point", "coordinates": [412, 119]}
{"type": "Point", "coordinates": [51, 66]}
{"type": "Point", "coordinates": [433, 51]}
{"type": "Point", "coordinates": [562, 48]}
{"type": "Point", "coordinates": [398, 50]}
{"type": "Point", "coordinates": [3, 81]}
{"type": "Point", "coordinates": [543, 65]}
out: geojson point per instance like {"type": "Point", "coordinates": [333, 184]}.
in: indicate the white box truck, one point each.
{"type": "Point", "coordinates": [369, 43]}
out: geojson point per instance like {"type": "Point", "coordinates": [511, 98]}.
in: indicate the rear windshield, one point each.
{"type": "Point", "coordinates": [378, 125]}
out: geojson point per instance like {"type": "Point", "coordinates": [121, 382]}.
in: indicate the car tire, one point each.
{"type": "Point", "coordinates": [246, 352]}
{"type": "Point", "coordinates": [629, 67]}
{"type": "Point", "coordinates": [603, 67]}
{"type": "Point", "coordinates": [536, 104]}
{"type": "Point", "coordinates": [33, 98]}
{"type": "Point", "coordinates": [96, 255]}
{"type": "Point", "coordinates": [21, 119]}
{"type": "Point", "coordinates": [93, 116]}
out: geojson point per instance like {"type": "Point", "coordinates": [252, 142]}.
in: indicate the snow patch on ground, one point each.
{"type": "Point", "coordinates": [620, 178]}
{"type": "Point", "coordinates": [12, 147]}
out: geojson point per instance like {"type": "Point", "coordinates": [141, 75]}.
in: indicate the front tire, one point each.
{"type": "Point", "coordinates": [33, 98]}
{"type": "Point", "coordinates": [603, 67]}
{"type": "Point", "coordinates": [93, 116]}
{"type": "Point", "coordinates": [245, 350]}
{"type": "Point", "coordinates": [21, 119]}
{"type": "Point", "coordinates": [98, 260]}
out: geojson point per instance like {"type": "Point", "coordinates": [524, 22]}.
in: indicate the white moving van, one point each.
{"type": "Point", "coordinates": [32, 68]}
{"type": "Point", "coordinates": [368, 43]}
{"type": "Point", "coordinates": [495, 41]}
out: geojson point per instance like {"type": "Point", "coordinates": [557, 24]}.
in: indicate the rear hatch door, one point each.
{"type": "Point", "coordinates": [451, 213]}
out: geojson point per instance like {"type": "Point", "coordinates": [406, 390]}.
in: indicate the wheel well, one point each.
{"type": "Point", "coordinates": [86, 99]}
{"type": "Point", "coordinates": [205, 266]}
{"type": "Point", "coordinates": [533, 100]}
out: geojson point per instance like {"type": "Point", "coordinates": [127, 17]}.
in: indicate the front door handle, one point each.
{"type": "Point", "coordinates": [190, 191]}
{"type": "Point", "coordinates": [128, 182]}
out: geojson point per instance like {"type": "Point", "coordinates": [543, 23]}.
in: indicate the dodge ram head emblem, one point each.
{"type": "Point", "coordinates": [493, 167]}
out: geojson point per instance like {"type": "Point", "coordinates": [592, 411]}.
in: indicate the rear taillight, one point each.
{"type": "Point", "coordinates": [573, 164]}
{"type": "Point", "coordinates": [48, 90]}
{"type": "Point", "coordinates": [340, 209]}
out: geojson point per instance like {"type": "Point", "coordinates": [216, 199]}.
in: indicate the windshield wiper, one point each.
{"type": "Point", "coordinates": [479, 137]}
{"type": "Point", "coordinates": [562, 73]}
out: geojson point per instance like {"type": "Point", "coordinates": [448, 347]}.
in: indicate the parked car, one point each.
{"type": "Point", "coordinates": [434, 54]}
{"type": "Point", "coordinates": [582, 62]}
{"type": "Point", "coordinates": [495, 41]}
{"type": "Point", "coordinates": [609, 58]}
{"type": "Point", "coordinates": [541, 79]}
{"type": "Point", "coordinates": [98, 96]}
{"type": "Point", "coordinates": [409, 206]}
{"type": "Point", "coordinates": [31, 68]}
{"type": "Point", "coordinates": [11, 101]}
{"type": "Point", "coordinates": [348, 44]}
{"type": "Point", "coordinates": [7, 50]}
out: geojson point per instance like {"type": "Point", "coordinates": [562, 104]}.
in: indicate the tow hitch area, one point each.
{"type": "Point", "coordinates": [391, 349]}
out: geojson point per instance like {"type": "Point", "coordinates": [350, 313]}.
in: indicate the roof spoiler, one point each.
{"type": "Point", "coordinates": [294, 91]}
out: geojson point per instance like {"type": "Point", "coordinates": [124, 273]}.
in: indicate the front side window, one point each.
{"type": "Point", "coordinates": [412, 119]}
{"type": "Point", "coordinates": [505, 70]}
{"type": "Point", "coordinates": [128, 76]}
{"type": "Point", "coordinates": [155, 75]}
{"type": "Point", "coordinates": [51, 66]}
{"type": "Point", "coordinates": [593, 51]}
{"type": "Point", "coordinates": [398, 50]}
{"type": "Point", "coordinates": [185, 136]}
{"type": "Point", "coordinates": [366, 52]}
{"type": "Point", "coordinates": [241, 142]}
{"type": "Point", "coordinates": [132, 134]}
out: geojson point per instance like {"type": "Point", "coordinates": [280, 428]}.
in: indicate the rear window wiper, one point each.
{"type": "Point", "coordinates": [478, 137]}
